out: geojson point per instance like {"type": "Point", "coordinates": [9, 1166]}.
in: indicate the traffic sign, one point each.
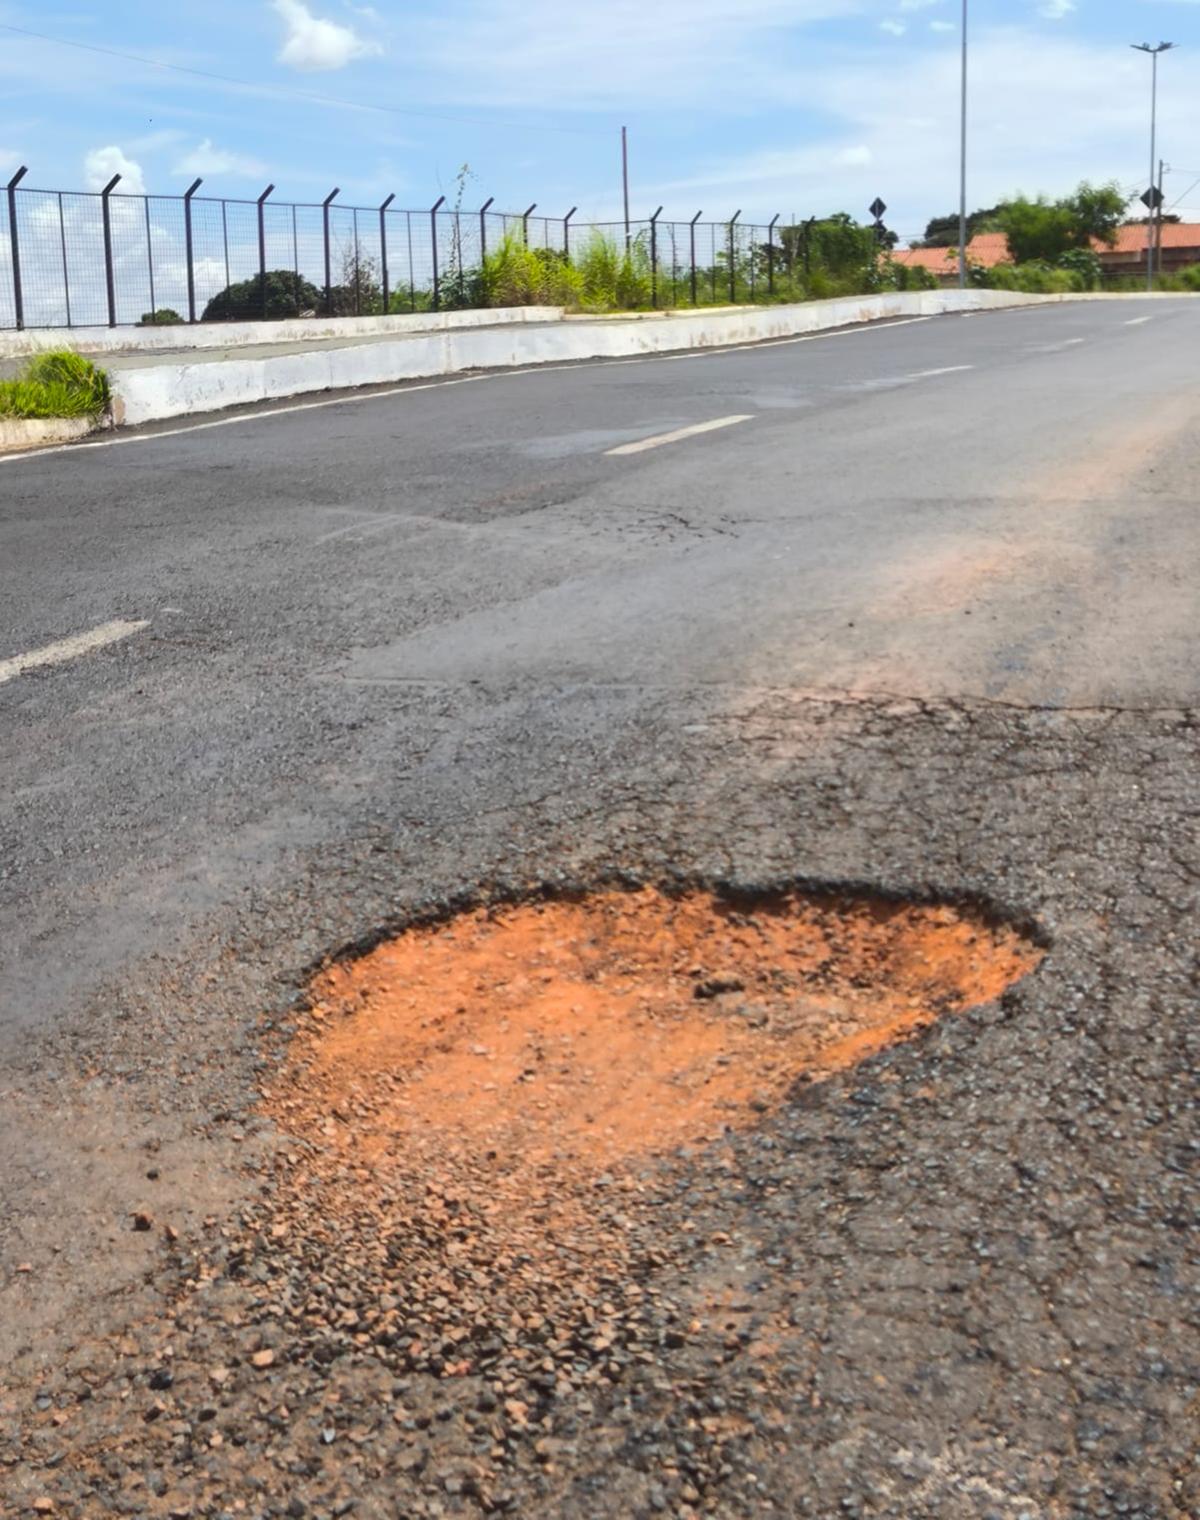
{"type": "Point", "coordinates": [877, 208]}
{"type": "Point", "coordinates": [1153, 198]}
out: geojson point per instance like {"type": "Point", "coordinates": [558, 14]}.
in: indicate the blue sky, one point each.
{"type": "Point", "coordinates": [795, 106]}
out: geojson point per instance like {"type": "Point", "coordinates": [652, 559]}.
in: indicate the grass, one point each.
{"type": "Point", "coordinates": [55, 384]}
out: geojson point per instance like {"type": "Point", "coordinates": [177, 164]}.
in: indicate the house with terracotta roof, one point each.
{"type": "Point", "coordinates": [1180, 247]}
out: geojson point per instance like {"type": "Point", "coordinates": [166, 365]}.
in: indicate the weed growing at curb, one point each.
{"type": "Point", "coordinates": [56, 384]}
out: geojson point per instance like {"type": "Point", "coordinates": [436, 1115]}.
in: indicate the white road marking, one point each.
{"type": "Point", "coordinates": [69, 649]}
{"type": "Point", "coordinates": [1137, 321]}
{"type": "Point", "coordinates": [437, 385]}
{"type": "Point", "coordinates": [677, 436]}
{"type": "Point", "coordinates": [1055, 348]}
{"type": "Point", "coordinates": [948, 369]}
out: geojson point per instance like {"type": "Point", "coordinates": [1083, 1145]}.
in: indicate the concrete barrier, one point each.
{"type": "Point", "coordinates": [37, 432]}
{"type": "Point", "coordinates": [232, 335]}
{"type": "Point", "coordinates": [166, 386]}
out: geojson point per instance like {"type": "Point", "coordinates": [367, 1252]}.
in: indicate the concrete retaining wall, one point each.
{"type": "Point", "coordinates": [166, 389]}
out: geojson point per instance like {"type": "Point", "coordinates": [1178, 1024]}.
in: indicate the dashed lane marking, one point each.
{"type": "Point", "coordinates": [70, 649]}
{"type": "Point", "coordinates": [657, 441]}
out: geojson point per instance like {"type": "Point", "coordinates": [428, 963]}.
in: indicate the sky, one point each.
{"type": "Point", "coordinates": [801, 107]}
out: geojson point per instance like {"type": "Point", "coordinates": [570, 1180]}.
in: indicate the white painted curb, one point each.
{"type": "Point", "coordinates": [34, 432]}
{"type": "Point", "coordinates": [159, 390]}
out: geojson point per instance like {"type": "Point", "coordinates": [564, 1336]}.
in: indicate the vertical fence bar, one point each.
{"type": "Point", "coordinates": [149, 256]}
{"type": "Point", "coordinates": [732, 258]}
{"type": "Point", "coordinates": [295, 261]}
{"type": "Point", "coordinates": [357, 268]}
{"type": "Point", "coordinates": [189, 248]}
{"type": "Point", "coordinates": [525, 223]}
{"type": "Point", "coordinates": [412, 278]}
{"type": "Point", "coordinates": [15, 244]}
{"type": "Point", "coordinates": [692, 239]}
{"type": "Point", "coordinates": [262, 253]}
{"type": "Point", "coordinates": [325, 205]}
{"type": "Point", "coordinates": [110, 286]}
{"type": "Point", "coordinates": [654, 257]}
{"type": "Point", "coordinates": [62, 238]}
{"type": "Point", "coordinates": [225, 238]}
{"type": "Point", "coordinates": [459, 260]}
{"type": "Point", "coordinates": [567, 232]}
{"type": "Point", "coordinates": [483, 229]}
{"type": "Point", "coordinates": [771, 254]}
{"type": "Point", "coordinates": [383, 257]}
{"type": "Point", "coordinates": [437, 292]}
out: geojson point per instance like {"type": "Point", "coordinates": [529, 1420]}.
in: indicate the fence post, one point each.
{"type": "Point", "coordinates": [525, 223]}
{"type": "Point", "coordinates": [62, 239]}
{"type": "Point", "coordinates": [808, 227]}
{"type": "Point", "coordinates": [383, 250]}
{"type": "Point", "coordinates": [262, 253]}
{"type": "Point", "coordinates": [437, 290]}
{"type": "Point", "coordinates": [149, 252]}
{"type": "Point", "coordinates": [567, 231]}
{"type": "Point", "coordinates": [109, 279]}
{"type": "Point", "coordinates": [325, 205]}
{"type": "Point", "coordinates": [771, 254]}
{"type": "Point", "coordinates": [188, 247]}
{"type": "Point", "coordinates": [654, 257]}
{"type": "Point", "coordinates": [692, 240]}
{"type": "Point", "coordinates": [18, 297]}
{"type": "Point", "coordinates": [483, 229]}
{"type": "Point", "coordinates": [357, 267]}
{"type": "Point", "coordinates": [732, 260]}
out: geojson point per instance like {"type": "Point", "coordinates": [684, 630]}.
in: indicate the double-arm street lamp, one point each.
{"type": "Point", "coordinates": [1152, 208]}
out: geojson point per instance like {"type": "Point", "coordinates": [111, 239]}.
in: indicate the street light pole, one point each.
{"type": "Point", "coordinates": [962, 164]}
{"type": "Point", "coordinates": [1144, 47]}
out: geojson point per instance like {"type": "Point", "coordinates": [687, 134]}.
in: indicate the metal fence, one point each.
{"type": "Point", "coordinates": [75, 259]}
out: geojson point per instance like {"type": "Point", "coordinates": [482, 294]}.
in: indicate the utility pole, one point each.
{"type": "Point", "coordinates": [962, 164]}
{"type": "Point", "coordinates": [1144, 47]}
{"type": "Point", "coordinates": [1158, 216]}
{"type": "Point", "coordinates": [625, 179]}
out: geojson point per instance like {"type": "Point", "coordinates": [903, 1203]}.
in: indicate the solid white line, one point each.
{"type": "Point", "coordinates": [68, 649]}
{"type": "Point", "coordinates": [1055, 348]}
{"type": "Point", "coordinates": [437, 385]}
{"type": "Point", "coordinates": [659, 439]}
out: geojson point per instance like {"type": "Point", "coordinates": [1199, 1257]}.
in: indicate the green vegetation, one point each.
{"type": "Point", "coordinates": [942, 231]}
{"type": "Point", "coordinates": [56, 384]}
{"type": "Point", "coordinates": [1042, 230]}
{"type": "Point", "coordinates": [287, 295]}
{"type": "Point", "coordinates": [165, 316]}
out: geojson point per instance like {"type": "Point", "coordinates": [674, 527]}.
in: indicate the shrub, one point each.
{"type": "Point", "coordinates": [1033, 278]}
{"type": "Point", "coordinates": [287, 294]}
{"type": "Point", "coordinates": [614, 278]}
{"type": "Point", "coordinates": [515, 275]}
{"type": "Point", "coordinates": [165, 316]}
{"type": "Point", "coordinates": [1189, 278]}
{"type": "Point", "coordinates": [1084, 263]}
{"type": "Point", "coordinates": [56, 384]}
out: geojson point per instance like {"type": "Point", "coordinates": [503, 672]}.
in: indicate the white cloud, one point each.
{"type": "Point", "coordinates": [9, 159]}
{"type": "Point", "coordinates": [207, 158]}
{"type": "Point", "coordinates": [855, 157]}
{"type": "Point", "coordinates": [894, 28]}
{"type": "Point", "coordinates": [101, 164]}
{"type": "Point", "coordinates": [1055, 10]}
{"type": "Point", "coordinates": [313, 44]}
{"type": "Point", "coordinates": [942, 26]}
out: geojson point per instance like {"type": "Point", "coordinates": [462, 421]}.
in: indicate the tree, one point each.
{"type": "Point", "coordinates": [1045, 229]}
{"type": "Point", "coordinates": [287, 295]}
{"type": "Point", "coordinates": [942, 231]}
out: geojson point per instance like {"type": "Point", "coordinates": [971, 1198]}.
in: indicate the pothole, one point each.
{"type": "Point", "coordinates": [589, 1031]}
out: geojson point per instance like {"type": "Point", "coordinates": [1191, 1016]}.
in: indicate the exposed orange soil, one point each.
{"type": "Point", "coordinates": [572, 1031]}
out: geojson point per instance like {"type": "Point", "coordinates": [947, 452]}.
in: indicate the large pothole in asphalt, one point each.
{"type": "Point", "coordinates": [625, 1023]}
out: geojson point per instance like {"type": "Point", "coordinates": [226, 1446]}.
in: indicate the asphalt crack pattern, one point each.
{"type": "Point", "coordinates": [958, 1281]}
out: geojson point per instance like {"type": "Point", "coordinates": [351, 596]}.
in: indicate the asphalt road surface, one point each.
{"type": "Point", "coordinates": [919, 614]}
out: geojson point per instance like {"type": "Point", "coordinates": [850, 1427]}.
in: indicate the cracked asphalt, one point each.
{"type": "Point", "coordinates": [924, 626]}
